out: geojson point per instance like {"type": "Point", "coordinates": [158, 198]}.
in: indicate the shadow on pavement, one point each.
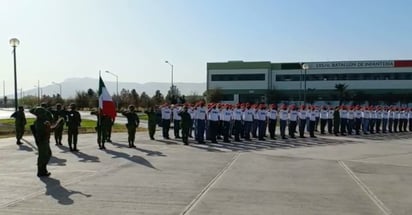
{"type": "Point", "coordinates": [256, 145]}
{"type": "Point", "coordinates": [134, 158]}
{"type": "Point", "coordinates": [83, 156]}
{"type": "Point", "coordinates": [147, 151]}
{"type": "Point", "coordinates": [25, 148]}
{"type": "Point", "coordinates": [57, 161]}
{"type": "Point", "coordinates": [150, 152]}
{"type": "Point", "coordinates": [58, 192]}
{"type": "Point", "coordinates": [30, 144]}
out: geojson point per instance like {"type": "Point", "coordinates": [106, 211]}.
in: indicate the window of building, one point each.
{"type": "Point", "coordinates": [238, 77]}
{"type": "Point", "coordinates": [352, 77]}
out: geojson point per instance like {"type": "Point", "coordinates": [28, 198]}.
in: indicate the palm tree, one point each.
{"type": "Point", "coordinates": [342, 92]}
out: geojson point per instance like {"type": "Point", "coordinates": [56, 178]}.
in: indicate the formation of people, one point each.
{"type": "Point", "coordinates": [215, 121]}
{"type": "Point", "coordinates": [246, 121]}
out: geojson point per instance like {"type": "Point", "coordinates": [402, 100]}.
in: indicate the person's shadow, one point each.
{"type": "Point", "coordinates": [134, 158]}
{"type": "Point", "coordinates": [57, 161]}
{"type": "Point", "coordinates": [86, 158]}
{"type": "Point", "coordinates": [58, 192]}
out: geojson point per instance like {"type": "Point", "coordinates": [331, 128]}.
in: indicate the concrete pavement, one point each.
{"type": "Point", "coordinates": [327, 175]}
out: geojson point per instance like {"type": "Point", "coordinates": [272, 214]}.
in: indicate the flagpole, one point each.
{"type": "Point", "coordinates": [99, 119]}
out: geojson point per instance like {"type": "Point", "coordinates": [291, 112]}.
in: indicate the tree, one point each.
{"type": "Point", "coordinates": [193, 98]}
{"type": "Point", "coordinates": [145, 100]}
{"type": "Point", "coordinates": [213, 95]}
{"type": "Point", "coordinates": [134, 98]}
{"type": "Point", "coordinates": [5, 101]}
{"type": "Point", "coordinates": [173, 95]}
{"type": "Point", "coordinates": [158, 98]}
{"type": "Point", "coordinates": [92, 98]}
{"type": "Point", "coordinates": [81, 99]}
{"type": "Point", "coordinates": [342, 92]}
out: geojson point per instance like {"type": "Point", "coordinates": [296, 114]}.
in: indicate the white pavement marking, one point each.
{"type": "Point", "coordinates": [196, 200]}
{"type": "Point", "coordinates": [366, 189]}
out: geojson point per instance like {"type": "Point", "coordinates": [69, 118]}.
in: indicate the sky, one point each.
{"type": "Point", "coordinates": [61, 39]}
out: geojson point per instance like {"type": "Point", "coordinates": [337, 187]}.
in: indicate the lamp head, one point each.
{"type": "Point", "coordinates": [305, 66]}
{"type": "Point", "coordinates": [14, 42]}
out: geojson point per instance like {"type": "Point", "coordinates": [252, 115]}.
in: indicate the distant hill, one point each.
{"type": "Point", "coordinates": [71, 85]}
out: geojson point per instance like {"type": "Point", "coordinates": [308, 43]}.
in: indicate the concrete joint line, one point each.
{"type": "Point", "coordinates": [366, 189]}
{"type": "Point", "coordinates": [196, 200]}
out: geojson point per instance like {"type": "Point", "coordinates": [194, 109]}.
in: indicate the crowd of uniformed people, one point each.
{"type": "Point", "coordinates": [216, 121]}
{"type": "Point", "coordinates": [246, 121]}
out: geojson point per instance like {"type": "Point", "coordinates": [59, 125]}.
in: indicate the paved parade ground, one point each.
{"type": "Point", "coordinates": [326, 175]}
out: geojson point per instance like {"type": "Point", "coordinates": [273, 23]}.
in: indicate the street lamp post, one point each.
{"type": "Point", "coordinates": [60, 88]}
{"type": "Point", "coordinates": [172, 87]}
{"type": "Point", "coordinates": [38, 91]}
{"type": "Point", "coordinates": [117, 87]}
{"type": "Point", "coordinates": [14, 42]}
{"type": "Point", "coordinates": [305, 67]}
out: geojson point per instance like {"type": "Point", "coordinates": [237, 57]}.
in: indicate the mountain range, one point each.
{"type": "Point", "coordinates": [72, 85]}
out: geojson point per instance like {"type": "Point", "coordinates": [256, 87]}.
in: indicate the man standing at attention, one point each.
{"type": "Point", "coordinates": [132, 123]}
{"type": "Point", "coordinates": [73, 124]}
{"type": "Point", "coordinates": [20, 122]}
{"type": "Point", "coordinates": [166, 116]}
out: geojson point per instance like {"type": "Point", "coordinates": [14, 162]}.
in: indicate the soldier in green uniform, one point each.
{"type": "Point", "coordinates": [132, 123]}
{"type": "Point", "coordinates": [58, 114]}
{"type": "Point", "coordinates": [20, 122]}
{"type": "Point", "coordinates": [186, 124]}
{"type": "Point", "coordinates": [43, 128]}
{"type": "Point", "coordinates": [102, 125]}
{"type": "Point", "coordinates": [152, 121]}
{"type": "Point", "coordinates": [73, 124]}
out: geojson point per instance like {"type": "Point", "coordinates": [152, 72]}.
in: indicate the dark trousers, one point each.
{"type": "Point", "coordinates": [72, 134]}
{"type": "Point", "coordinates": [401, 125]}
{"type": "Point", "coordinates": [58, 134]}
{"type": "Point", "coordinates": [131, 131]}
{"type": "Point", "coordinates": [410, 124]}
{"type": "Point", "coordinates": [237, 129]}
{"type": "Point", "coordinates": [322, 125]}
{"type": "Point", "coordinates": [358, 122]}
{"type": "Point", "coordinates": [185, 134]}
{"type": "Point", "coordinates": [390, 125]}
{"type": "Point", "coordinates": [316, 123]}
{"type": "Point", "coordinates": [213, 126]}
{"type": "Point", "coordinates": [247, 128]}
{"type": "Point", "coordinates": [292, 128]}
{"type": "Point", "coordinates": [255, 126]}
{"type": "Point", "coordinates": [262, 129]}
{"type": "Point", "coordinates": [176, 128]}
{"type": "Point", "coordinates": [330, 126]}
{"type": "Point", "coordinates": [384, 125]}
{"type": "Point", "coordinates": [272, 128]}
{"type": "Point", "coordinates": [302, 124]}
{"type": "Point", "coordinates": [351, 123]}
{"type": "Point", "coordinates": [226, 128]}
{"type": "Point", "coordinates": [312, 128]}
{"type": "Point", "coordinates": [152, 130]}
{"type": "Point", "coordinates": [282, 128]}
{"type": "Point", "coordinates": [372, 125]}
{"type": "Point", "coordinates": [165, 127]}
{"type": "Point", "coordinates": [365, 125]}
{"type": "Point", "coordinates": [43, 157]}
{"type": "Point", "coordinates": [200, 130]}
{"type": "Point", "coordinates": [19, 132]}
{"type": "Point", "coordinates": [343, 124]}
{"type": "Point", "coordinates": [395, 125]}
{"type": "Point", "coordinates": [378, 125]}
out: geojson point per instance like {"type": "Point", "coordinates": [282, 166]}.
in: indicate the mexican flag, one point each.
{"type": "Point", "coordinates": [106, 104]}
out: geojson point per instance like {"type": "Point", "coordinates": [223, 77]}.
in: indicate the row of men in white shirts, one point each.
{"type": "Point", "coordinates": [249, 113]}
